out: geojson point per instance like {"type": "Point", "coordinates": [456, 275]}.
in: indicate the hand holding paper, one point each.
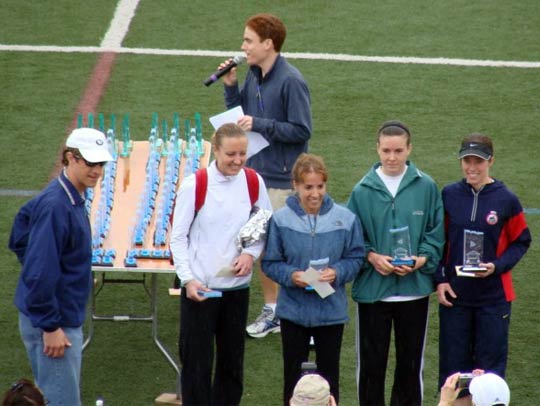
{"type": "Point", "coordinates": [226, 272]}
{"type": "Point", "coordinates": [256, 141]}
{"type": "Point", "coordinates": [323, 289]}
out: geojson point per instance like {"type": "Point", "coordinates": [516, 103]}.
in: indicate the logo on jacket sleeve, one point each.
{"type": "Point", "coordinates": [492, 218]}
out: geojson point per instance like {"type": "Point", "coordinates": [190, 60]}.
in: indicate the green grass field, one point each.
{"type": "Point", "coordinates": [441, 104]}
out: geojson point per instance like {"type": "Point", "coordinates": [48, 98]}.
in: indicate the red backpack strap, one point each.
{"type": "Point", "coordinates": [253, 185]}
{"type": "Point", "coordinates": [201, 185]}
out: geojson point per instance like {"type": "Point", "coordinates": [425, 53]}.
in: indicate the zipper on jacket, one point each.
{"type": "Point", "coordinates": [475, 202]}
{"type": "Point", "coordinates": [313, 225]}
{"type": "Point", "coordinates": [393, 211]}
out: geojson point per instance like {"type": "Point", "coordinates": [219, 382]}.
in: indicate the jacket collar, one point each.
{"type": "Point", "coordinates": [73, 194]}
{"type": "Point", "coordinates": [214, 172]}
{"type": "Point", "coordinates": [257, 71]}
{"type": "Point", "coordinates": [373, 180]}
{"type": "Point", "coordinates": [487, 187]}
{"type": "Point", "coordinates": [293, 202]}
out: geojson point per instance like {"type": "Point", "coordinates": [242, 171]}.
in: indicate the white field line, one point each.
{"type": "Point", "coordinates": [124, 13]}
{"type": "Point", "coordinates": [291, 55]}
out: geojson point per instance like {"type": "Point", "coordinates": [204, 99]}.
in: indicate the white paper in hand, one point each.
{"type": "Point", "coordinates": [256, 141]}
{"type": "Point", "coordinates": [459, 272]}
{"type": "Point", "coordinates": [229, 116]}
{"type": "Point", "coordinates": [323, 289]}
{"type": "Point", "coordinates": [226, 272]}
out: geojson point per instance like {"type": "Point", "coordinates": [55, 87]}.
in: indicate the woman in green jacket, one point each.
{"type": "Point", "coordinates": [402, 217]}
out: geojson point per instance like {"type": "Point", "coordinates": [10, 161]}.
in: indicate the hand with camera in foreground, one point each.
{"type": "Point", "coordinates": [451, 388]}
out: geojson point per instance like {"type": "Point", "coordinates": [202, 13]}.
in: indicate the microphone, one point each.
{"type": "Point", "coordinates": [237, 60]}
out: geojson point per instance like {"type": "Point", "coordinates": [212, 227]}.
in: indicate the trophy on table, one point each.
{"type": "Point", "coordinates": [401, 247]}
{"type": "Point", "coordinates": [473, 251]}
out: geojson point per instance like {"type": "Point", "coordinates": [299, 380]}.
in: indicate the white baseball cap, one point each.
{"type": "Point", "coordinates": [488, 390]}
{"type": "Point", "coordinates": [91, 143]}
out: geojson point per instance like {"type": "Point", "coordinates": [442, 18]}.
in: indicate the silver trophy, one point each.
{"type": "Point", "coordinates": [401, 247]}
{"type": "Point", "coordinates": [255, 229]}
{"type": "Point", "coordinates": [473, 251]}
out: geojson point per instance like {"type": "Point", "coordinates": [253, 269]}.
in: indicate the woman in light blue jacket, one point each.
{"type": "Point", "coordinates": [312, 231]}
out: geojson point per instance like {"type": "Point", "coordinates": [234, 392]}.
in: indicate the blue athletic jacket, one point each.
{"type": "Point", "coordinates": [293, 241]}
{"type": "Point", "coordinates": [495, 211]}
{"type": "Point", "coordinates": [281, 108]}
{"type": "Point", "coordinates": [52, 239]}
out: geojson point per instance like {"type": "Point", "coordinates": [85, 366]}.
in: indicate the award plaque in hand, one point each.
{"type": "Point", "coordinates": [401, 247]}
{"type": "Point", "coordinates": [473, 250]}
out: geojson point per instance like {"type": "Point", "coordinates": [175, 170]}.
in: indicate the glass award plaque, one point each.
{"type": "Point", "coordinates": [401, 246]}
{"type": "Point", "coordinates": [473, 251]}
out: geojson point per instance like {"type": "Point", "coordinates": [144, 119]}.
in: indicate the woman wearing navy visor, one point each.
{"type": "Point", "coordinates": [486, 231]}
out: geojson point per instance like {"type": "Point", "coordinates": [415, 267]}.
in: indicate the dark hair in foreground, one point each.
{"type": "Point", "coordinates": [23, 393]}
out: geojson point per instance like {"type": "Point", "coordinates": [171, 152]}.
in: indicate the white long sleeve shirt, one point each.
{"type": "Point", "coordinates": [202, 245]}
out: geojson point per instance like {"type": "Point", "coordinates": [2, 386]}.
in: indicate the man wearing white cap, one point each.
{"type": "Point", "coordinates": [489, 390]}
{"type": "Point", "coordinates": [486, 389]}
{"type": "Point", "coordinates": [51, 237]}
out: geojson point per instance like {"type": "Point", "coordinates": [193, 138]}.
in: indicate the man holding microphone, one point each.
{"type": "Point", "coordinates": [276, 103]}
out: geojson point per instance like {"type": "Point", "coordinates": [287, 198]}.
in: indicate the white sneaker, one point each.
{"type": "Point", "coordinates": [265, 323]}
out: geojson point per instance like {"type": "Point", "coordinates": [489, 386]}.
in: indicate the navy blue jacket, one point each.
{"type": "Point", "coordinates": [293, 241]}
{"type": "Point", "coordinates": [281, 109]}
{"type": "Point", "coordinates": [52, 239]}
{"type": "Point", "coordinates": [495, 211]}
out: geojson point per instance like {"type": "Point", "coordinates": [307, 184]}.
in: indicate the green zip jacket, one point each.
{"type": "Point", "coordinates": [417, 204]}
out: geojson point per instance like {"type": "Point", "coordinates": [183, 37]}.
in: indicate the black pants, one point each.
{"type": "Point", "coordinates": [473, 337]}
{"type": "Point", "coordinates": [374, 331]}
{"type": "Point", "coordinates": [223, 321]}
{"type": "Point", "coordinates": [295, 342]}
